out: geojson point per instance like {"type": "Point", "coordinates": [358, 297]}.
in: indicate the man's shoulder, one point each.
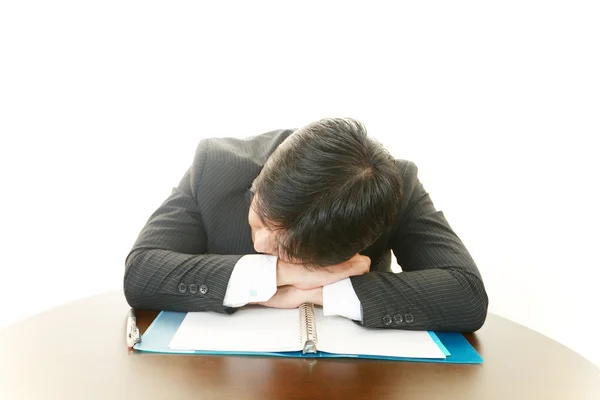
{"type": "Point", "coordinates": [407, 167]}
{"type": "Point", "coordinates": [409, 173]}
{"type": "Point", "coordinates": [229, 161]}
{"type": "Point", "coordinates": [230, 150]}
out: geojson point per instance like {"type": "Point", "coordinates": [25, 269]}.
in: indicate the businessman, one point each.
{"type": "Point", "coordinates": [306, 215]}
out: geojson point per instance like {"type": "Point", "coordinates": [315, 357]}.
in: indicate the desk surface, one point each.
{"type": "Point", "coordinates": [78, 351]}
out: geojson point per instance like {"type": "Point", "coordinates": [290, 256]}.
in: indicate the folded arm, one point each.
{"type": "Point", "coordinates": [440, 287]}
{"type": "Point", "coordinates": [168, 269]}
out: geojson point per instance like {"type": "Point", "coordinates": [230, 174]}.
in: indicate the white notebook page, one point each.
{"type": "Point", "coordinates": [342, 336]}
{"type": "Point", "coordinates": [256, 329]}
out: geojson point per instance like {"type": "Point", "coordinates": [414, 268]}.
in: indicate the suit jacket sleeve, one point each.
{"type": "Point", "coordinates": [167, 269]}
{"type": "Point", "coordinates": [440, 287]}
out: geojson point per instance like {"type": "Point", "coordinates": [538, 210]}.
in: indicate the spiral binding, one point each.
{"type": "Point", "coordinates": [308, 329]}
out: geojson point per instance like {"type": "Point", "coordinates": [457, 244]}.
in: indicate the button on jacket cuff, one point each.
{"type": "Point", "coordinates": [339, 298]}
{"type": "Point", "coordinates": [254, 279]}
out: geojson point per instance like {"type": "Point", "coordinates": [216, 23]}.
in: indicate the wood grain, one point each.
{"type": "Point", "coordinates": [78, 351]}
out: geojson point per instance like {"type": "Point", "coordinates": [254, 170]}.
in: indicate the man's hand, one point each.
{"type": "Point", "coordinates": [292, 297]}
{"type": "Point", "coordinates": [298, 275]}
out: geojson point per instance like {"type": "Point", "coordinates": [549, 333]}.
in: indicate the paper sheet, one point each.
{"type": "Point", "coordinates": [257, 329]}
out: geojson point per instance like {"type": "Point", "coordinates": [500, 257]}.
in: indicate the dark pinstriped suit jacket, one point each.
{"type": "Point", "coordinates": [184, 255]}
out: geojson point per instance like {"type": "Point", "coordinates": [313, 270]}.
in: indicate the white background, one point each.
{"type": "Point", "coordinates": [102, 104]}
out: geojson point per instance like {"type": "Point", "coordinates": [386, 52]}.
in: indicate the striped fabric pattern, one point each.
{"type": "Point", "coordinates": [186, 252]}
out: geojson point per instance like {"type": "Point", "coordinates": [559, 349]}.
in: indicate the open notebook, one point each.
{"type": "Point", "coordinates": [262, 330]}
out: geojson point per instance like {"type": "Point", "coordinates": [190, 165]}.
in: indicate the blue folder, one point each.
{"type": "Point", "coordinates": [157, 337]}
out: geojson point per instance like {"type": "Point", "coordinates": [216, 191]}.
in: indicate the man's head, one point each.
{"type": "Point", "coordinates": [325, 194]}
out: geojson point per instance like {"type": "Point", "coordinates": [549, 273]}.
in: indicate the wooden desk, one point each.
{"type": "Point", "coordinates": [78, 351]}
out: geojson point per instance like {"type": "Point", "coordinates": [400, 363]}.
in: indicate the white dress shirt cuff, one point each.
{"type": "Point", "coordinates": [339, 298]}
{"type": "Point", "coordinates": [254, 279]}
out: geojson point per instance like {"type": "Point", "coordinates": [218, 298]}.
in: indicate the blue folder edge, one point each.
{"type": "Point", "coordinates": [157, 337]}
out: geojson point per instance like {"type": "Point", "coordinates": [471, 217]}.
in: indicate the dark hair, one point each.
{"type": "Point", "coordinates": [329, 191]}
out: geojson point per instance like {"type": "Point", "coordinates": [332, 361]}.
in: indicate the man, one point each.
{"type": "Point", "coordinates": [310, 215]}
